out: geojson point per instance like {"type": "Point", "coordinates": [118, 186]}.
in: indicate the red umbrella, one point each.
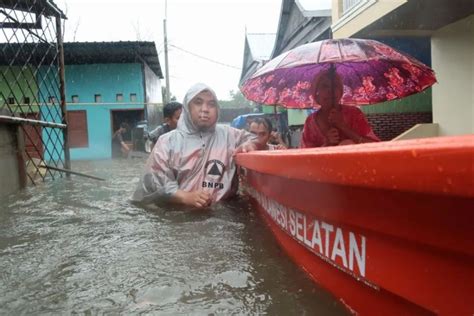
{"type": "Point", "coordinates": [371, 72]}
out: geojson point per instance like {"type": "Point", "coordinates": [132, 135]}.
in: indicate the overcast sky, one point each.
{"type": "Point", "coordinates": [211, 29]}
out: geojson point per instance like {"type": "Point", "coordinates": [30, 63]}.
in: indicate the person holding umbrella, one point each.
{"type": "Point", "coordinates": [334, 123]}
{"type": "Point", "coordinates": [368, 71]}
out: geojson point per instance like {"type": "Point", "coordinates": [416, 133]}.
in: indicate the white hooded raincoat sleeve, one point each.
{"type": "Point", "coordinates": [189, 159]}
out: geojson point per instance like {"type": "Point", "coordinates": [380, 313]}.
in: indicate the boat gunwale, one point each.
{"type": "Point", "coordinates": [440, 165]}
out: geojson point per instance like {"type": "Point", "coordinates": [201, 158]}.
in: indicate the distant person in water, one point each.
{"type": "Point", "coordinates": [262, 128]}
{"type": "Point", "coordinates": [334, 123]}
{"type": "Point", "coordinates": [119, 147]}
{"type": "Point", "coordinates": [194, 164]}
{"type": "Point", "coordinates": [171, 113]}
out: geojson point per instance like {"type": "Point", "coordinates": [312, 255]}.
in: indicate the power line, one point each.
{"type": "Point", "coordinates": [205, 58]}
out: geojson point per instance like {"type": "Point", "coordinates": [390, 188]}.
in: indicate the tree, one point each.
{"type": "Point", "coordinates": [237, 101]}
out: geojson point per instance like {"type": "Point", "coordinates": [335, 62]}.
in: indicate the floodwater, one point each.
{"type": "Point", "coordinates": [77, 246]}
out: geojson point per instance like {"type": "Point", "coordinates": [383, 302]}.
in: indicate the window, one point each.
{"type": "Point", "coordinates": [26, 100]}
{"type": "Point", "coordinates": [133, 97]}
{"type": "Point", "coordinates": [77, 129]}
{"type": "Point", "coordinates": [119, 97]}
{"type": "Point", "coordinates": [348, 4]}
{"type": "Point", "coordinates": [97, 98]}
{"type": "Point", "coordinates": [51, 99]}
{"type": "Point", "coordinates": [11, 100]}
{"type": "Point", "coordinates": [75, 99]}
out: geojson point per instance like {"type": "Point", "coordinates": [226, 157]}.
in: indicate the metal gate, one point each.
{"type": "Point", "coordinates": [32, 95]}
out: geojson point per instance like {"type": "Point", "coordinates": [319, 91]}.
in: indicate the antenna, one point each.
{"type": "Point", "coordinates": [167, 96]}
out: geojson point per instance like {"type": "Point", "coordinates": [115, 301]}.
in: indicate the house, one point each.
{"type": "Point", "coordinates": [443, 32]}
{"type": "Point", "coordinates": [299, 24]}
{"type": "Point", "coordinates": [309, 22]}
{"type": "Point", "coordinates": [304, 24]}
{"type": "Point", "coordinates": [108, 83]}
{"type": "Point", "coordinates": [257, 51]}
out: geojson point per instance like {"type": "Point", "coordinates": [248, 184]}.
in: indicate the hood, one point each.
{"type": "Point", "coordinates": [185, 122]}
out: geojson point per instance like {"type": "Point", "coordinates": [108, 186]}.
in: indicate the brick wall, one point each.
{"type": "Point", "coordinates": [389, 125]}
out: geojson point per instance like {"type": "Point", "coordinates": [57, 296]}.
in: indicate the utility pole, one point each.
{"type": "Point", "coordinates": [167, 96]}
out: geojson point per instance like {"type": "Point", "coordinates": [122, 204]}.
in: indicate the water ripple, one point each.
{"type": "Point", "coordinates": [76, 246]}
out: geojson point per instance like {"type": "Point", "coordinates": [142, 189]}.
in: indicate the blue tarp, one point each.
{"type": "Point", "coordinates": [241, 120]}
{"type": "Point", "coordinates": [279, 121]}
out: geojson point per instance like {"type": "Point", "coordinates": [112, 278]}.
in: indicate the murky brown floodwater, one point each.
{"type": "Point", "coordinates": [77, 246]}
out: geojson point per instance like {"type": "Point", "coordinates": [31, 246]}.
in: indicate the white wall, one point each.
{"type": "Point", "coordinates": [361, 15]}
{"type": "Point", "coordinates": [452, 49]}
{"type": "Point", "coordinates": [154, 99]}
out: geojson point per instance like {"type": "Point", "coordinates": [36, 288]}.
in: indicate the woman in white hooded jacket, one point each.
{"type": "Point", "coordinates": [194, 164]}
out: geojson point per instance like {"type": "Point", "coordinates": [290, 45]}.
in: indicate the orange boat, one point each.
{"type": "Point", "coordinates": [387, 227]}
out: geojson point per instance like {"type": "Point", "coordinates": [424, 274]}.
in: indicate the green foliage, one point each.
{"type": "Point", "coordinates": [237, 100]}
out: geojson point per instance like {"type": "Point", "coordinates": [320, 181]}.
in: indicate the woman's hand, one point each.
{"type": "Point", "coordinates": [332, 137]}
{"type": "Point", "coordinates": [336, 119]}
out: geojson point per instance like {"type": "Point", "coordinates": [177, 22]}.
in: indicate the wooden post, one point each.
{"type": "Point", "coordinates": [20, 155]}
{"type": "Point", "coordinates": [62, 92]}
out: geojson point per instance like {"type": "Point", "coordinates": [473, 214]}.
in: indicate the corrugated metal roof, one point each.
{"type": "Point", "coordinates": [112, 52]}
{"type": "Point", "coordinates": [77, 53]}
{"type": "Point", "coordinates": [261, 45]}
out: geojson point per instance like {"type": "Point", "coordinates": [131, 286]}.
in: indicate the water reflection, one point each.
{"type": "Point", "coordinates": [79, 247]}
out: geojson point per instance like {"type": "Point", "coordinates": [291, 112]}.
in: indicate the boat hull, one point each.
{"type": "Point", "coordinates": [395, 247]}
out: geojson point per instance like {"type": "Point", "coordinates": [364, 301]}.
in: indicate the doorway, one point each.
{"type": "Point", "coordinates": [131, 117]}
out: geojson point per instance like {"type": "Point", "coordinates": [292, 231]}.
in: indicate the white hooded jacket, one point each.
{"type": "Point", "coordinates": [189, 159]}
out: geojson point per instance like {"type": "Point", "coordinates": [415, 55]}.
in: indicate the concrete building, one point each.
{"type": "Point", "coordinates": [108, 83]}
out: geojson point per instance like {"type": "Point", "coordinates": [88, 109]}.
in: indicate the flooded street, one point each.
{"type": "Point", "coordinates": [78, 246]}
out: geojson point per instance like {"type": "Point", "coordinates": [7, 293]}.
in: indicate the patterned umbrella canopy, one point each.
{"type": "Point", "coordinates": [371, 72]}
